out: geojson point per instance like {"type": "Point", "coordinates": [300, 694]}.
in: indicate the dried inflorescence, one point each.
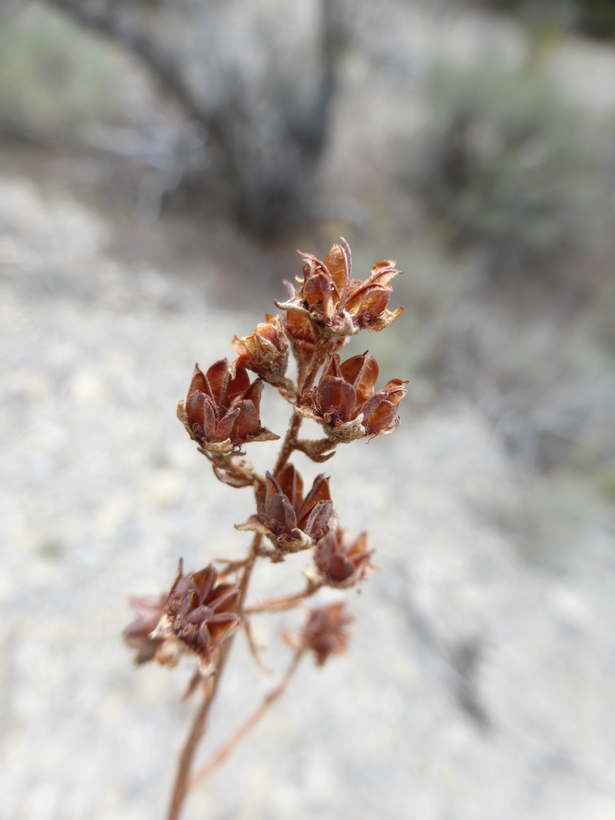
{"type": "Point", "coordinates": [222, 410]}
{"type": "Point", "coordinates": [334, 302]}
{"type": "Point", "coordinates": [199, 615]}
{"type": "Point", "coordinates": [290, 521]}
{"type": "Point", "coordinates": [340, 562]}
{"type": "Point", "coordinates": [264, 352]}
{"type": "Point", "coordinates": [203, 611]}
{"type": "Point", "coordinates": [345, 404]}
{"type": "Point", "coordinates": [326, 631]}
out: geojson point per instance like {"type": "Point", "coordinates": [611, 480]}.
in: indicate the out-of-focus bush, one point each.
{"type": "Point", "coordinates": [54, 81]}
{"type": "Point", "coordinates": [597, 17]}
{"type": "Point", "coordinates": [502, 167]}
{"type": "Point", "coordinates": [256, 78]}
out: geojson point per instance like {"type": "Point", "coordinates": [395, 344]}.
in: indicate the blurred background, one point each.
{"type": "Point", "coordinates": [160, 162]}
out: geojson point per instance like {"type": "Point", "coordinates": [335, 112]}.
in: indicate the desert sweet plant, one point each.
{"type": "Point", "coordinates": [204, 610]}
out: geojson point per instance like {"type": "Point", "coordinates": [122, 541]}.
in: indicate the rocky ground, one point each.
{"type": "Point", "coordinates": [480, 678]}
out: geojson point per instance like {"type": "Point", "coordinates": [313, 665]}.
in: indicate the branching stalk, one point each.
{"type": "Point", "coordinates": [284, 602]}
{"type": "Point", "coordinates": [199, 724]}
{"type": "Point", "coordinates": [225, 750]}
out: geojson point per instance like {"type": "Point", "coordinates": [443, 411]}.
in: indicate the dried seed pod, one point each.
{"type": "Point", "coordinates": [199, 615]}
{"type": "Point", "coordinates": [291, 522]}
{"type": "Point", "coordinates": [265, 351]}
{"type": "Point", "coordinates": [336, 303]}
{"type": "Point", "coordinates": [222, 410]}
{"type": "Point", "coordinates": [340, 562]}
{"type": "Point", "coordinates": [345, 404]}
{"type": "Point", "coordinates": [148, 609]}
{"type": "Point", "coordinates": [326, 631]}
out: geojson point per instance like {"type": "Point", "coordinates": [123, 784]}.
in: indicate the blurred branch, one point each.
{"type": "Point", "coordinates": [162, 66]}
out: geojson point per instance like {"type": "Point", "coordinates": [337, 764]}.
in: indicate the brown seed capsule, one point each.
{"type": "Point", "coordinates": [345, 404]}
{"type": "Point", "coordinates": [198, 616]}
{"type": "Point", "coordinates": [222, 409]}
{"type": "Point", "coordinates": [265, 352]}
{"type": "Point", "coordinates": [331, 299]}
{"type": "Point", "coordinates": [292, 522]}
{"type": "Point", "coordinates": [148, 609]}
{"type": "Point", "coordinates": [325, 632]}
{"type": "Point", "coordinates": [340, 562]}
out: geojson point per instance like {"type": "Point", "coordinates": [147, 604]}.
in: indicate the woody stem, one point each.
{"type": "Point", "coordinates": [200, 719]}
{"type": "Point", "coordinates": [290, 440]}
{"type": "Point", "coordinates": [225, 750]}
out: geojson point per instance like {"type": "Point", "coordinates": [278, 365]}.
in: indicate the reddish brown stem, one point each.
{"type": "Point", "coordinates": [225, 750]}
{"type": "Point", "coordinates": [290, 440]}
{"type": "Point", "coordinates": [200, 719]}
{"type": "Point", "coordinates": [283, 603]}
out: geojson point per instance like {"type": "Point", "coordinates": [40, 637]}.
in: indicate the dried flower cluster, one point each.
{"type": "Point", "coordinates": [204, 610]}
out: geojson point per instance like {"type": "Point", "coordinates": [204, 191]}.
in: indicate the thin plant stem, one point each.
{"type": "Point", "coordinates": [200, 720]}
{"type": "Point", "coordinates": [283, 603]}
{"type": "Point", "coordinates": [290, 440]}
{"type": "Point", "coordinates": [199, 724]}
{"type": "Point", "coordinates": [289, 443]}
{"type": "Point", "coordinates": [225, 750]}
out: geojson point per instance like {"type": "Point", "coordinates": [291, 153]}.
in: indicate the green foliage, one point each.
{"type": "Point", "coordinates": [501, 166]}
{"type": "Point", "coordinates": [598, 17]}
{"type": "Point", "coordinates": [53, 78]}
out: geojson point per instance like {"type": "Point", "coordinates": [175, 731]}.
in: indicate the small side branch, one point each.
{"type": "Point", "coordinates": [225, 750]}
{"type": "Point", "coordinates": [163, 67]}
{"type": "Point", "coordinates": [285, 602]}
{"type": "Point", "coordinates": [211, 686]}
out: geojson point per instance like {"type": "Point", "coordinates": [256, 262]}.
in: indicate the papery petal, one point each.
{"type": "Point", "coordinates": [379, 416]}
{"type": "Point", "coordinates": [217, 376]}
{"type": "Point", "coordinates": [195, 408]}
{"type": "Point", "coordinates": [337, 265]}
{"type": "Point", "coordinates": [199, 382]}
{"type": "Point", "coordinates": [394, 391]}
{"type": "Point", "coordinates": [385, 319]}
{"type": "Point", "coordinates": [225, 425]}
{"type": "Point", "coordinates": [291, 484]}
{"type": "Point", "coordinates": [335, 394]}
{"type": "Point", "coordinates": [319, 492]}
{"type": "Point", "coordinates": [367, 380]}
{"type": "Point", "coordinates": [317, 523]}
{"type": "Point", "coordinates": [204, 580]}
{"type": "Point", "coordinates": [253, 394]}
{"type": "Point", "coordinates": [340, 568]}
{"type": "Point", "coordinates": [318, 295]}
{"type": "Point", "coordinates": [223, 598]}
{"type": "Point", "coordinates": [247, 422]}
{"type": "Point", "coordinates": [282, 511]}
{"type": "Point", "coordinates": [237, 386]}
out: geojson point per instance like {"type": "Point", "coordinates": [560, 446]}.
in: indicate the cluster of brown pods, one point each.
{"type": "Point", "coordinates": [204, 610]}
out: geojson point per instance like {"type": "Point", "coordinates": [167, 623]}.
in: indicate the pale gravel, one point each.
{"type": "Point", "coordinates": [102, 492]}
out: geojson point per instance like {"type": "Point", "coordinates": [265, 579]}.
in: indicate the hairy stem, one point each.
{"type": "Point", "coordinates": [200, 719]}
{"type": "Point", "coordinates": [225, 750]}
